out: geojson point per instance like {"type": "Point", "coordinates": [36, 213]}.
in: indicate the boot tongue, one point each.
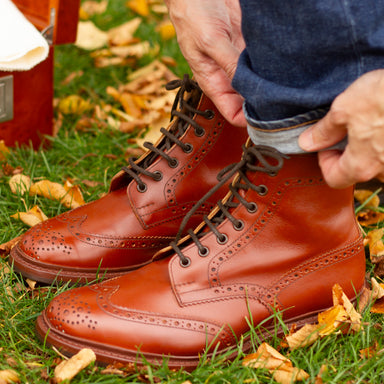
{"type": "Point", "coordinates": [186, 103]}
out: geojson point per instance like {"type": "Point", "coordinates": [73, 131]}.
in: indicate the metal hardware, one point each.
{"type": "Point", "coordinates": [6, 98]}
{"type": "Point", "coordinates": [47, 32]}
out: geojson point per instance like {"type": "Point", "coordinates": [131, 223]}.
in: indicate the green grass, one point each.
{"type": "Point", "coordinates": [68, 155]}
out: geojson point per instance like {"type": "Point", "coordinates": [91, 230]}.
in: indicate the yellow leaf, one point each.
{"type": "Point", "coordinates": [74, 104]}
{"type": "Point", "coordinates": [375, 243]}
{"type": "Point", "coordinates": [139, 6]}
{"type": "Point", "coordinates": [34, 216]}
{"type": "Point", "coordinates": [362, 195]}
{"type": "Point", "coordinates": [20, 184]}
{"type": "Point", "coordinates": [3, 150]}
{"type": "Point", "coordinates": [278, 365]}
{"type": "Point", "coordinates": [123, 34]}
{"type": "Point", "coordinates": [74, 192]}
{"type": "Point", "coordinates": [377, 289]}
{"type": "Point", "coordinates": [369, 217]}
{"type": "Point", "coordinates": [54, 191]}
{"type": "Point", "coordinates": [9, 376]}
{"type": "Point", "coordinates": [68, 369]}
{"type": "Point", "coordinates": [306, 335]}
{"type": "Point", "coordinates": [166, 30]}
{"type": "Point", "coordinates": [332, 319]}
{"type": "Point", "coordinates": [94, 7]}
{"type": "Point", "coordinates": [89, 36]}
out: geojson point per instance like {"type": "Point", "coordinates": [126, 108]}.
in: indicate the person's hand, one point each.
{"type": "Point", "coordinates": [359, 113]}
{"type": "Point", "coordinates": [209, 36]}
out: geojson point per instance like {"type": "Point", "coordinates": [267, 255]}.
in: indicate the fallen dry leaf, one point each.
{"type": "Point", "coordinates": [362, 195]}
{"type": "Point", "coordinates": [374, 240]}
{"type": "Point", "coordinates": [20, 184]}
{"type": "Point", "coordinates": [9, 376]}
{"type": "Point", "coordinates": [5, 248]}
{"type": "Point", "coordinates": [306, 335]}
{"type": "Point", "coordinates": [94, 7]}
{"type": "Point", "coordinates": [90, 37]}
{"type": "Point", "coordinates": [74, 105]}
{"type": "Point", "coordinates": [369, 217]}
{"type": "Point", "coordinates": [32, 217]}
{"type": "Point", "coordinates": [55, 191]}
{"type": "Point", "coordinates": [166, 30]}
{"type": "Point", "coordinates": [123, 34]}
{"type": "Point", "coordinates": [4, 150]}
{"type": "Point", "coordinates": [278, 365]}
{"type": "Point", "coordinates": [68, 369]}
{"type": "Point", "coordinates": [368, 353]}
{"type": "Point", "coordinates": [139, 6]}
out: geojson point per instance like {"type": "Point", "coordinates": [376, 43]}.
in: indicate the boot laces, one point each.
{"type": "Point", "coordinates": [255, 159]}
{"type": "Point", "coordinates": [184, 110]}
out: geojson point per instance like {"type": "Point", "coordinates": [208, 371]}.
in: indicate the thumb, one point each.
{"type": "Point", "coordinates": [322, 135]}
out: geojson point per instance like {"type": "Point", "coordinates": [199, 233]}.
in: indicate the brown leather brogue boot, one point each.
{"type": "Point", "coordinates": [147, 201]}
{"type": "Point", "coordinates": [279, 241]}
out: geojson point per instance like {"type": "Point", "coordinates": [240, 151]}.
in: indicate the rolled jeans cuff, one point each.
{"type": "Point", "coordinates": [283, 135]}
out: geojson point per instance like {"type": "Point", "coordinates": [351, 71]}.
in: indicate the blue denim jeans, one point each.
{"type": "Point", "coordinates": [300, 54]}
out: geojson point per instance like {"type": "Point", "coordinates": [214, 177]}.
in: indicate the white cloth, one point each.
{"type": "Point", "coordinates": [21, 45]}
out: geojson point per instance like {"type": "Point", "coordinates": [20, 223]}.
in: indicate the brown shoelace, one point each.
{"type": "Point", "coordinates": [255, 159]}
{"type": "Point", "coordinates": [184, 111]}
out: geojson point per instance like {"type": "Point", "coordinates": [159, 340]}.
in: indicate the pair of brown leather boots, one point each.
{"type": "Point", "coordinates": [272, 238]}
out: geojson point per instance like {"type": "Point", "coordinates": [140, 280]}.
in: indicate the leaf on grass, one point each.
{"type": "Point", "coordinates": [340, 298]}
{"type": "Point", "coordinates": [4, 151]}
{"type": "Point", "coordinates": [139, 6]}
{"type": "Point", "coordinates": [123, 34]}
{"type": "Point", "coordinates": [5, 248]}
{"type": "Point", "coordinates": [166, 30]}
{"type": "Point", "coordinates": [306, 335]}
{"type": "Point", "coordinates": [20, 184]}
{"type": "Point", "coordinates": [69, 197]}
{"type": "Point", "coordinates": [74, 105]}
{"type": "Point", "coordinates": [377, 289]}
{"type": "Point", "coordinates": [91, 8]}
{"type": "Point", "coordinates": [369, 217]}
{"type": "Point", "coordinates": [32, 217]}
{"type": "Point", "coordinates": [278, 365]}
{"type": "Point", "coordinates": [90, 37]}
{"type": "Point", "coordinates": [68, 369]}
{"type": "Point", "coordinates": [362, 195]}
{"type": "Point", "coordinates": [8, 376]}
{"type": "Point", "coordinates": [368, 353]}
{"type": "Point", "coordinates": [365, 299]}
{"type": "Point", "coordinates": [375, 242]}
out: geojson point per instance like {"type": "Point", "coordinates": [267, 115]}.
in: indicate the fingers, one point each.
{"type": "Point", "coordinates": [325, 133]}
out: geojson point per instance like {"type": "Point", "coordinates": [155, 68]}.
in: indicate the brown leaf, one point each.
{"type": "Point", "coordinates": [369, 217]}
{"type": "Point", "coordinates": [94, 7]}
{"type": "Point", "coordinates": [71, 77]}
{"type": "Point", "coordinates": [5, 248]}
{"type": "Point", "coordinates": [368, 353]}
{"type": "Point", "coordinates": [364, 299]}
{"type": "Point", "coordinates": [68, 369]}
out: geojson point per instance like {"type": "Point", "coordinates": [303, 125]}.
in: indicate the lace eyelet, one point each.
{"type": "Point", "coordinates": [188, 148]}
{"type": "Point", "coordinates": [209, 114]}
{"type": "Point", "coordinates": [142, 187]}
{"type": "Point", "coordinates": [204, 252]}
{"type": "Point", "coordinates": [199, 132]}
{"type": "Point", "coordinates": [272, 173]}
{"type": "Point", "coordinates": [252, 207]}
{"type": "Point", "coordinates": [157, 175]}
{"type": "Point", "coordinates": [222, 239]}
{"type": "Point", "coordinates": [173, 163]}
{"type": "Point", "coordinates": [263, 190]}
{"type": "Point", "coordinates": [239, 225]}
{"type": "Point", "coordinates": [185, 262]}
